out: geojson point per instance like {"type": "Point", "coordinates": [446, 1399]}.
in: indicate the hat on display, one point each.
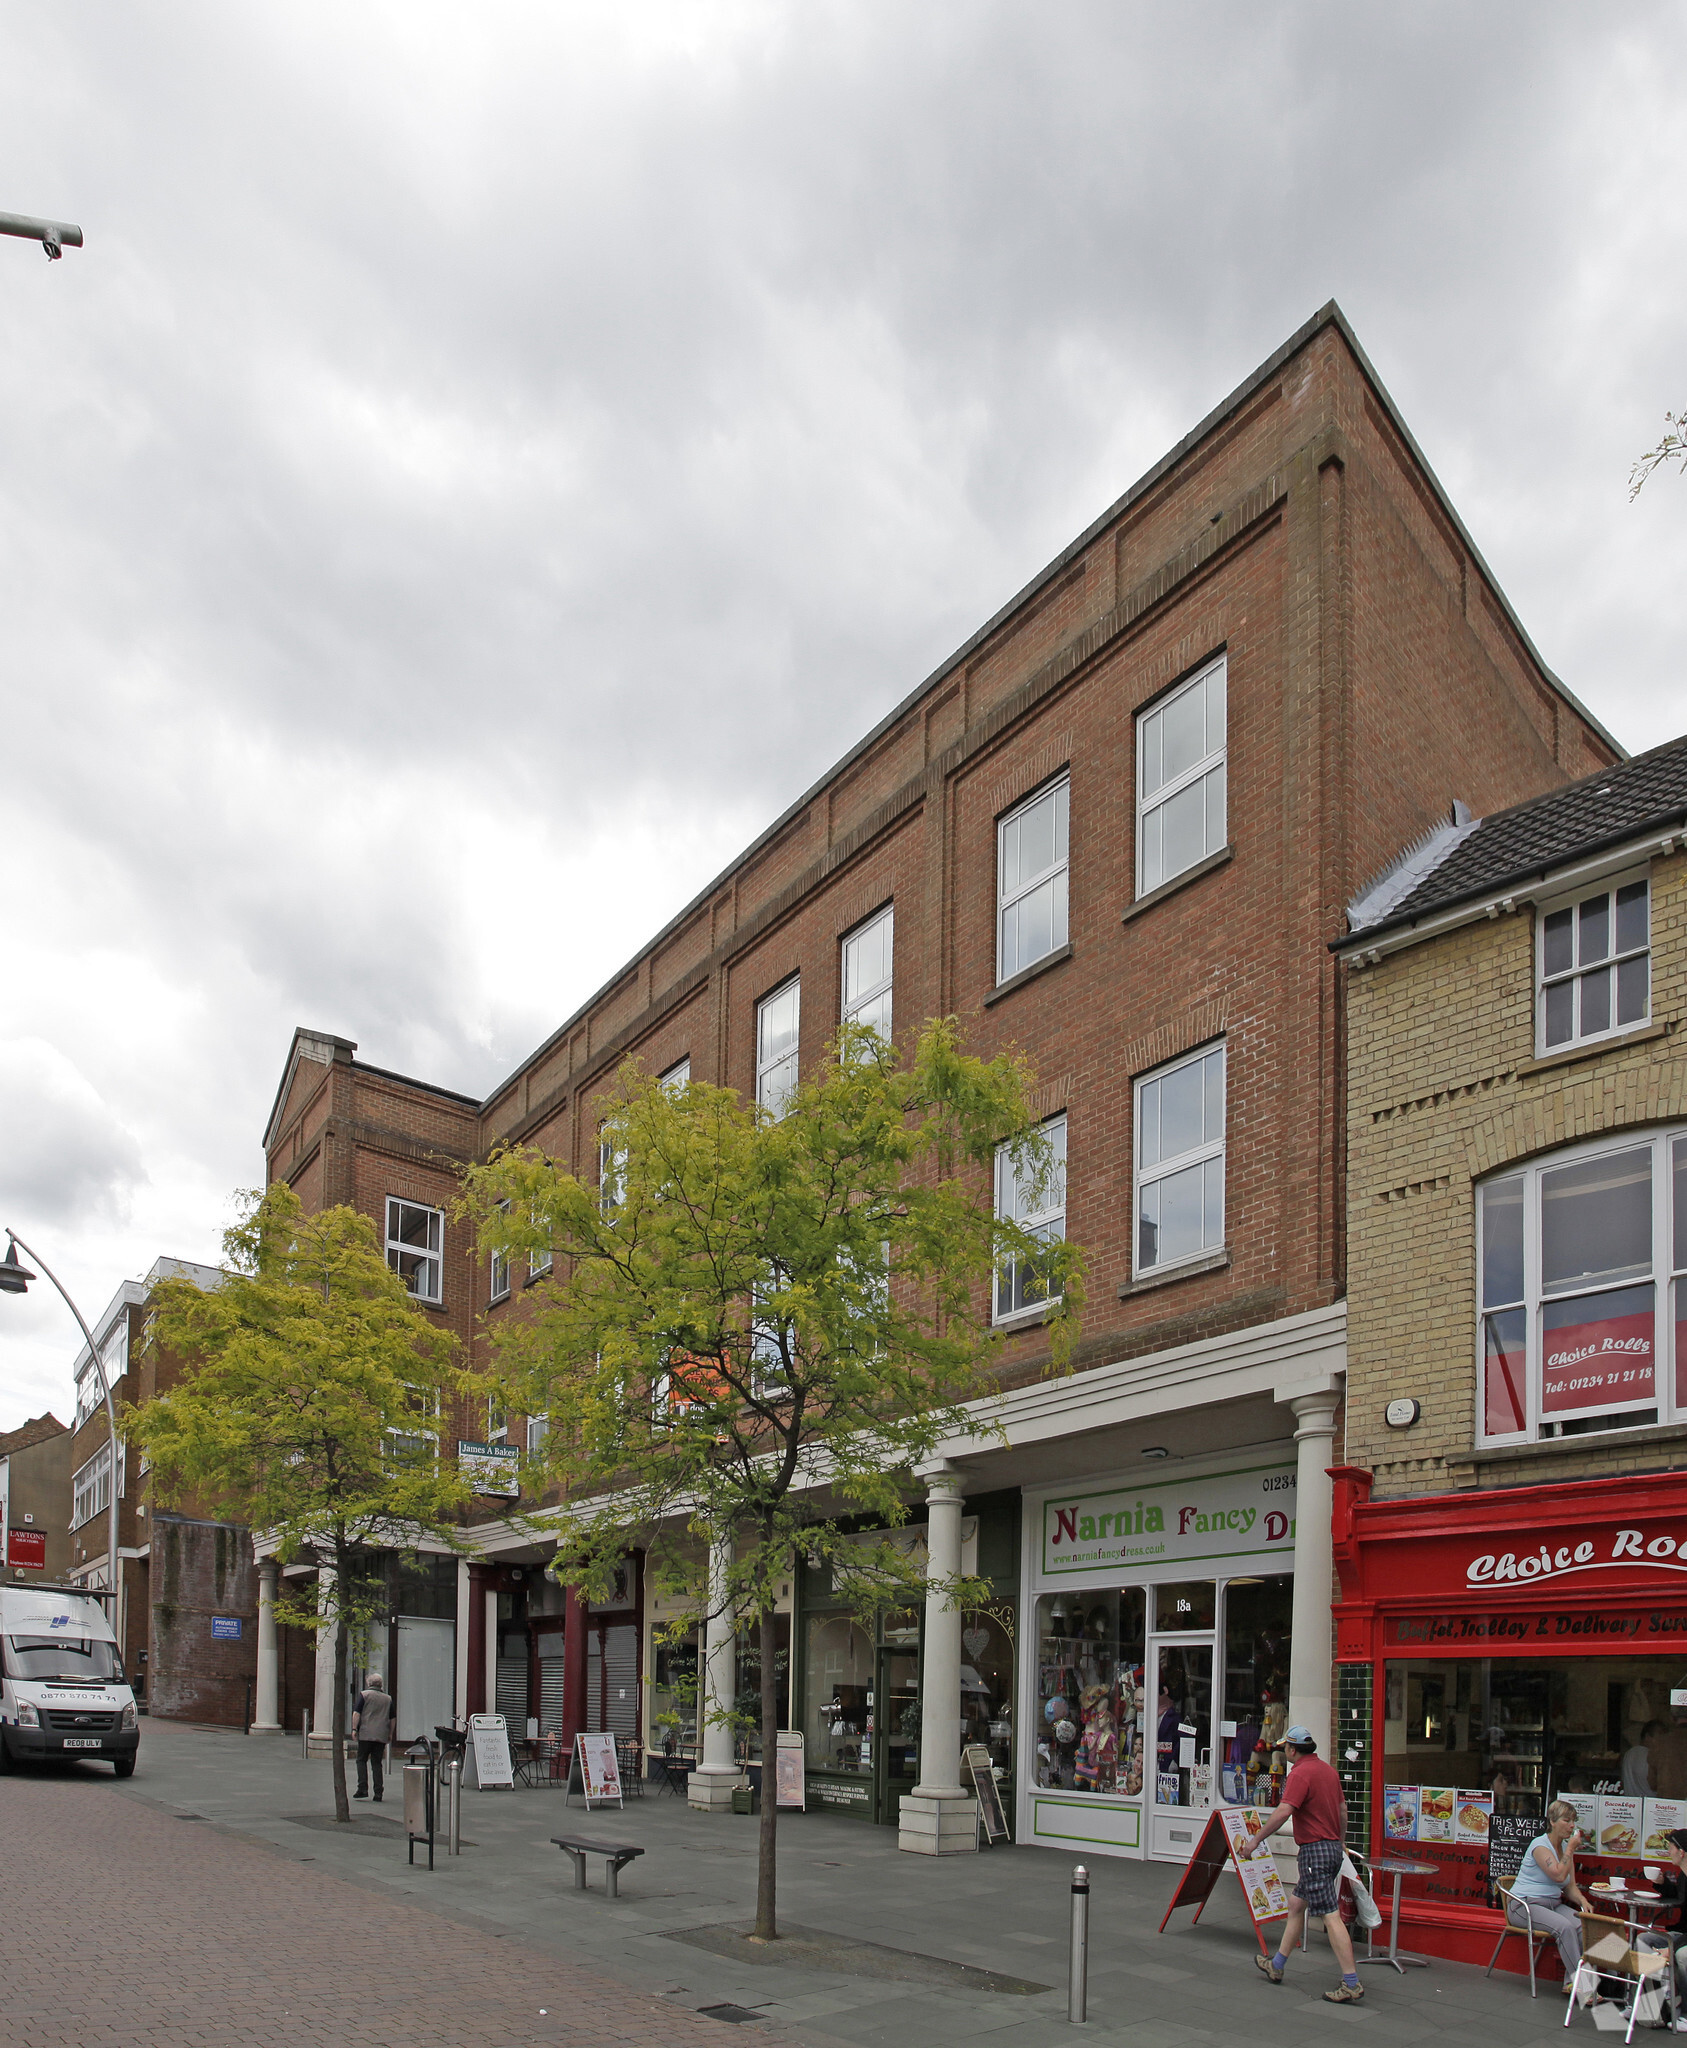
{"type": "Point", "coordinates": [1301, 1738]}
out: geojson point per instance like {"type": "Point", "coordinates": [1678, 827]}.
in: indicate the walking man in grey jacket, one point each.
{"type": "Point", "coordinates": [371, 1723]}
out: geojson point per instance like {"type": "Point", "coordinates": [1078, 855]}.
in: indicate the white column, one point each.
{"type": "Point", "coordinates": [268, 1703]}
{"type": "Point", "coordinates": [712, 1783]}
{"type": "Point", "coordinates": [460, 1691]}
{"type": "Point", "coordinates": [322, 1707]}
{"type": "Point", "coordinates": [491, 1598]}
{"type": "Point", "coordinates": [937, 1818]}
{"type": "Point", "coordinates": [1310, 1646]}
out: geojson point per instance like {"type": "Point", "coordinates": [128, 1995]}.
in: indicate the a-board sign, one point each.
{"type": "Point", "coordinates": [1219, 1848]}
{"type": "Point", "coordinates": [975, 1760]}
{"type": "Point", "coordinates": [789, 1786]}
{"type": "Point", "coordinates": [489, 1738]}
{"type": "Point", "coordinates": [600, 1774]}
{"type": "Point", "coordinates": [1509, 1835]}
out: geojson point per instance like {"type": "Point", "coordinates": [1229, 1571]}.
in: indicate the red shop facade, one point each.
{"type": "Point", "coordinates": [1497, 1650]}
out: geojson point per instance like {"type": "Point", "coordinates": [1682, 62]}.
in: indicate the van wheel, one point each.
{"type": "Point", "coordinates": [6, 1763]}
{"type": "Point", "coordinates": [124, 1766]}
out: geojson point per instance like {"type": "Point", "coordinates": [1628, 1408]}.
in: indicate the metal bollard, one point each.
{"type": "Point", "coordinates": [455, 1770]}
{"type": "Point", "coordinates": [1077, 1982]}
{"type": "Point", "coordinates": [304, 1730]}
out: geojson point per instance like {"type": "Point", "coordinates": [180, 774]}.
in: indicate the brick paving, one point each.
{"type": "Point", "coordinates": [130, 1927]}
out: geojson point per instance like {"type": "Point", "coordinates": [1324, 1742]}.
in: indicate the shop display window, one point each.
{"type": "Point", "coordinates": [1256, 1686]}
{"type": "Point", "coordinates": [673, 1691]}
{"type": "Point", "coordinates": [1465, 1739]}
{"type": "Point", "coordinates": [987, 1681]}
{"type": "Point", "coordinates": [838, 1711]}
{"type": "Point", "coordinates": [1091, 1721]}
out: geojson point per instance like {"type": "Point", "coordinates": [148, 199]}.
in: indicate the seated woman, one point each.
{"type": "Point", "coordinates": [1546, 1878]}
{"type": "Point", "coordinates": [1672, 1889]}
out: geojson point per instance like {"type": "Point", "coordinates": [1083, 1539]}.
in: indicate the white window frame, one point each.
{"type": "Point", "coordinates": [1214, 762]}
{"type": "Point", "coordinates": [777, 1074]}
{"type": "Point", "coordinates": [432, 1255]}
{"type": "Point", "coordinates": [677, 1076]}
{"type": "Point", "coordinates": [1057, 792]}
{"type": "Point", "coordinates": [1049, 1218]}
{"type": "Point", "coordinates": [611, 1173]}
{"type": "Point", "coordinates": [850, 1008]}
{"type": "Point", "coordinates": [538, 1428]}
{"type": "Point", "coordinates": [498, 1264]}
{"type": "Point", "coordinates": [1667, 1277]}
{"type": "Point", "coordinates": [497, 1421]}
{"type": "Point", "coordinates": [1164, 1167]}
{"type": "Point", "coordinates": [90, 1485]}
{"type": "Point", "coordinates": [1578, 972]}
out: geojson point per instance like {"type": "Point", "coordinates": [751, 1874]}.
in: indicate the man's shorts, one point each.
{"type": "Point", "coordinates": [1320, 1875]}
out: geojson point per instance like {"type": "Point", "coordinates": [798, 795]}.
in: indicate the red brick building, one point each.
{"type": "Point", "coordinates": [1117, 828]}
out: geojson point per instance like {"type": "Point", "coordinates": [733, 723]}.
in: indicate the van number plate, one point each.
{"type": "Point", "coordinates": [83, 1742]}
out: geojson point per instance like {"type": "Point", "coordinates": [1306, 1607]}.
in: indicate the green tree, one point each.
{"type": "Point", "coordinates": [758, 1325]}
{"type": "Point", "coordinates": [308, 1405]}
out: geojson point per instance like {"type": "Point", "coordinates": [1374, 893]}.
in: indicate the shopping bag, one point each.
{"type": "Point", "coordinates": [1369, 1914]}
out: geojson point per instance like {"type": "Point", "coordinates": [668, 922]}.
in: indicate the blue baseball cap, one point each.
{"type": "Point", "coordinates": [1302, 1738]}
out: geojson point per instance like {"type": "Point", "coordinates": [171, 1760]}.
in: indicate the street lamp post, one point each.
{"type": "Point", "coordinates": [55, 236]}
{"type": "Point", "coordinates": [15, 1279]}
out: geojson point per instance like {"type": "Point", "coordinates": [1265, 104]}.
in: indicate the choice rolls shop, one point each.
{"type": "Point", "coordinates": [1498, 1650]}
{"type": "Point", "coordinates": [1156, 1682]}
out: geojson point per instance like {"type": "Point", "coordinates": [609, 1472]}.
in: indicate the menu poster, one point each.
{"type": "Point", "coordinates": [1400, 1813]}
{"type": "Point", "coordinates": [1435, 1812]}
{"type": "Point", "coordinates": [1619, 1825]}
{"type": "Point", "coordinates": [599, 1773]}
{"type": "Point", "coordinates": [1508, 1839]}
{"type": "Point", "coordinates": [1474, 1815]}
{"type": "Point", "coordinates": [1587, 1815]}
{"type": "Point", "coordinates": [1658, 1816]}
{"type": "Point", "coordinates": [1262, 1882]}
{"type": "Point", "coordinates": [789, 1778]}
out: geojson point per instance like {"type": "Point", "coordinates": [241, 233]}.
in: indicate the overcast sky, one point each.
{"type": "Point", "coordinates": [487, 461]}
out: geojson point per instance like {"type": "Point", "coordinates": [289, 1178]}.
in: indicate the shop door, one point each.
{"type": "Point", "coordinates": [896, 1738]}
{"type": "Point", "coordinates": [1180, 1778]}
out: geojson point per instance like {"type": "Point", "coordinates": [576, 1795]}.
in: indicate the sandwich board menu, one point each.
{"type": "Point", "coordinates": [976, 1757]}
{"type": "Point", "coordinates": [789, 1786]}
{"type": "Point", "coordinates": [1220, 1848]}
{"type": "Point", "coordinates": [489, 1737]}
{"type": "Point", "coordinates": [1509, 1835]}
{"type": "Point", "coordinates": [600, 1775]}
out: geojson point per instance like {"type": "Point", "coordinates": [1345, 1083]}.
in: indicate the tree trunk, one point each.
{"type": "Point", "coordinates": [342, 1803]}
{"type": "Point", "coordinates": [767, 1869]}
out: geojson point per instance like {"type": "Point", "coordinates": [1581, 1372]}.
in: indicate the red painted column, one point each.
{"type": "Point", "coordinates": [476, 1618]}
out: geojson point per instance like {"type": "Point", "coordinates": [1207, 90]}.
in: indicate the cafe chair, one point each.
{"type": "Point", "coordinates": [1535, 1938]}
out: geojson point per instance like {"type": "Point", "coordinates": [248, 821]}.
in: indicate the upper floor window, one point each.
{"type": "Point", "coordinates": [778, 1017]}
{"type": "Point", "coordinates": [1595, 965]}
{"type": "Point", "coordinates": [1038, 1202]}
{"type": "Point", "coordinates": [500, 1267]}
{"type": "Point", "coordinates": [538, 1428]}
{"type": "Point", "coordinates": [538, 1264]}
{"type": "Point", "coordinates": [90, 1487]}
{"type": "Point", "coordinates": [1031, 879]}
{"type": "Point", "coordinates": [611, 1173]}
{"type": "Point", "coordinates": [867, 972]}
{"type": "Point", "coordinates": [678, 1076]}
{"type": "Point", "coordinates": [415, 1246]}
{"type": "Point", "coordinates": [1180, 1161]}
{"type": "Point", "coordinates": [1180, 769]}
{"type": "Point", "coordinates": [1578, 1257]}
{"type": "Point", "coordinates": [497, 1421]}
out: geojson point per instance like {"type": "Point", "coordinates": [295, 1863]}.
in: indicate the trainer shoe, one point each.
{"type": "Point", "coordinates": [1345, 1994]}
{"type": "Point", "coordinates": [1263, 1964]}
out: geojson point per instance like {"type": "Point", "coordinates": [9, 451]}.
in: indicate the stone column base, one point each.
{"type": "Point", "coordinates": [929, 1825]}
{"type": "Point", "coordinates": [710, 1788]}
{"type": "Point", "coordinates": [323, 1745]}
{"type": "Point", "coordinates": [266, 1728]}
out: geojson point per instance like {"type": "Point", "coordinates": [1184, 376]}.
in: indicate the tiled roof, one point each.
{"type": "Point", "coordinates": [1645, 794]}
{"type": "Point", "coordinates": [35, 1431]}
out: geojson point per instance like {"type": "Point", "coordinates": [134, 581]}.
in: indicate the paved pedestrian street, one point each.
{"type": "Point", "coordinates": [212, 1902]}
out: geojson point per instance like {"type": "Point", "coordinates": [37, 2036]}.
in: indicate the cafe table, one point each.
{"type": "Point", "coordinates": [1398, 1867]}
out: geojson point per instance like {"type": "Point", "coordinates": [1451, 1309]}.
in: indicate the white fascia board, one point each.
{"type": "Point", "coordinates": [129, 1295]}
{"type": "Point", "coordinates": [1360, 949]}
{"type": "Point", "coordinates": [1302, 1354]}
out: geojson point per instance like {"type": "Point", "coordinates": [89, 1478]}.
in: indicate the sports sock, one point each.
{"type": "Point", "coordinates": [1351, 1979]}
{"type": "Point", "coordinates": [1279, 1962]}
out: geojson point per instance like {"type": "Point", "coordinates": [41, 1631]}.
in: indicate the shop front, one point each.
{"type": "Point", "coordinates": [1157, 1683]}
{"type": "Point", "coordinates": [858, 1678]}
{"type": "Point", "coordinates": [1498, 1650]}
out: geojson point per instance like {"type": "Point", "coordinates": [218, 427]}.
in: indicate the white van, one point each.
{"type": "Point", "coordinates": [62, 1689]}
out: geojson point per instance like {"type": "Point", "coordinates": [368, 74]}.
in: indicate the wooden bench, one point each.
{"type": "Point", "coordinates": [616, 1856]}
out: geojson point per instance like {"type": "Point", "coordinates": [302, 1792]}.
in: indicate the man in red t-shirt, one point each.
{"type": "Point", "coordinates": [1313, 1799]}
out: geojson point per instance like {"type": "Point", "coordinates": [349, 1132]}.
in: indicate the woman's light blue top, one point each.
{"type": "Point", "coordinates": [1532, 1881]}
